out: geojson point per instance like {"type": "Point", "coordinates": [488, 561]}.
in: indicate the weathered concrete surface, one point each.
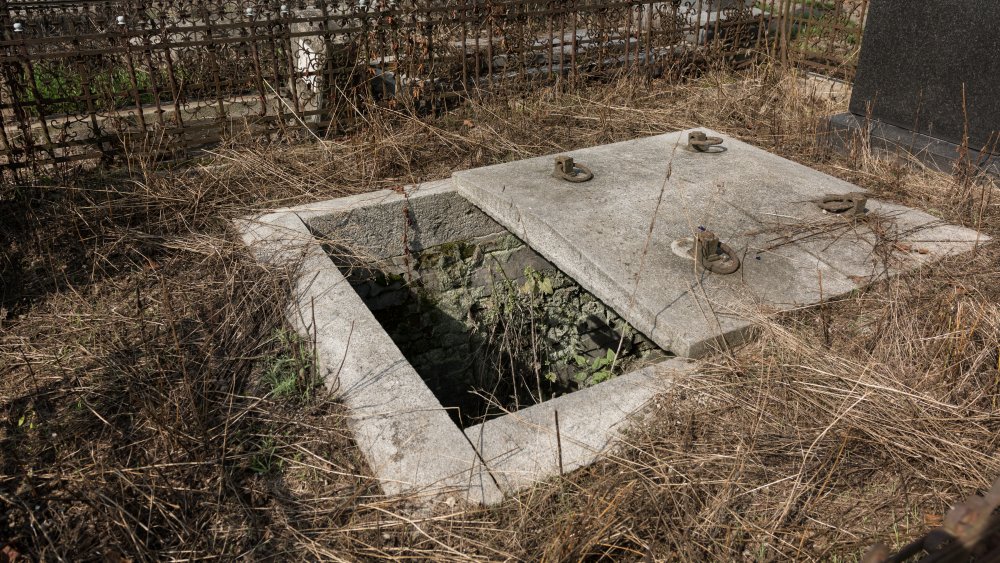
{"type": "Point", "coordinates": [522, 448]}
{"type": "Point", "coordinates": [413, 447]}
{"type": "Point", "coordinates": [409, 441]}
{"type": "Point", "coordinates": [755, 201]}
{"type": "Point", "coordinates": [597, 232]}
{"type": "Point", "coordinates": [889, 240]}
{"type": "Point", "coordinates": [374, 225]}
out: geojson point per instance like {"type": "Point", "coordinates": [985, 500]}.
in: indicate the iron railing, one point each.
{"type": "Point", "coordinates": [86, 80]}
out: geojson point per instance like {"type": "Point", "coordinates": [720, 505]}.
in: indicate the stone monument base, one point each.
{"type": "Point", "coordinates": [847, 130]}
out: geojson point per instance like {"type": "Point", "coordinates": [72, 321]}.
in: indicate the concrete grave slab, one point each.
{"type": "Point", "coordinates": [621, 236]}
{"type": "Point", "coordinates": [408, 439]}
{"type": "Point", "coordinates": [411, 444]}
{"type": "Point", "coordinates": [603, 233]}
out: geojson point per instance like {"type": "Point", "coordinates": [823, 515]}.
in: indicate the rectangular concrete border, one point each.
{"type": "Point", "coordinates": [409, 441]}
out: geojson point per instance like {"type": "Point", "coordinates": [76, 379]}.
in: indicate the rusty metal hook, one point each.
{"type": "Point", "coordinates": [571, 171]}
{"type": "Point", "coordinates": [715, 256]}
{"type": "Point", "coordinates": [848, 205]}
{"type": "Point", "coordinates": [701, 142]}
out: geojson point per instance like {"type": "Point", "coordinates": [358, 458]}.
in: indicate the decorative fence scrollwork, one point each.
{"type": "Point", "coordinates": [92, 80]}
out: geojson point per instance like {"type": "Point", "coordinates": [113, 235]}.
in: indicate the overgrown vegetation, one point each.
{"type": "Point", "coordinates": [291, 374]}
{"type": "Point", "coordinates": [140, 369]}
{"type": "Point", "coordinates": [57, 88]}
{"type": "Point", "coordinates": [488, 337]}
{"type": "Point", "coordinates": [519, 328]}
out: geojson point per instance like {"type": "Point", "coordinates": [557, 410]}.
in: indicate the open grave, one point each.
{"type": "Point", "coordinates": [499, 328]}
{"type": "Point", "coordinates": [488, 324]}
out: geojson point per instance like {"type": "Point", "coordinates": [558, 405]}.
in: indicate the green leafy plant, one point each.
{"type": "Point", "coordinates": [265, 460]}
{"type": "Point", "coordinates": [536, 282]}
{"type": "Point", "coordinates": [594, 371]}
{"type": "Point", "coordinates": [59, 87]}
{"type": "Point", "coordinates": [291, 373]}
{"type": "Point", "coordinates": [27, 418]}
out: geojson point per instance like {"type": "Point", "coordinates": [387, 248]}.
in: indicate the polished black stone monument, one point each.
{"type": "Point", "coordinates": [928, 81]}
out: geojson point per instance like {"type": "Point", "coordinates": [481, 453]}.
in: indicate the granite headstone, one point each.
{"type": "Point", "coordinates": [929, 77]}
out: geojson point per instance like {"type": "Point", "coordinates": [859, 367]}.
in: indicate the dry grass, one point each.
{"type": "Point", "coordinates": [155, 408]}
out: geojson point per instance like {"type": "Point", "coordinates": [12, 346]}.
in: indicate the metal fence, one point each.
{"type": "Point", "coordinates": [92, 80]}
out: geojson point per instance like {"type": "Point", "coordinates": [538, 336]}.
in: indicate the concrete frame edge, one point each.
{"type": "Point", "coordinates": [410, 442]}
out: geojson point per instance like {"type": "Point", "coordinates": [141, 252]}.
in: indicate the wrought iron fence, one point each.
{"type": "Point", "coordinates": [96, 79]}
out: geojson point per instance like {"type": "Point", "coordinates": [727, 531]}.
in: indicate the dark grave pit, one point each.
{"type": "Point", "coordinates": [491, 326]}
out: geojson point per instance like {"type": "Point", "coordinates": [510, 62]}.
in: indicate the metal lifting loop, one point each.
{"type": "Point", "coordinates": [701, 142]}
{"type": "Point", "coordinates": [848, 205]}
{"type": "Point", "coordinates": [715, 256]}
{"type": "Point", "coordinates": [570, 171]}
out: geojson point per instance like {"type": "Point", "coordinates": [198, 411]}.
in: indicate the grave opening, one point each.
{"type": "Point", "coordinates": [440, 298]}
{"type": "Point", "coordinates": [492, 327]}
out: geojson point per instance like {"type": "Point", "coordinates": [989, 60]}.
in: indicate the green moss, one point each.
{"type": "Point", "coordinates": [386, 279]}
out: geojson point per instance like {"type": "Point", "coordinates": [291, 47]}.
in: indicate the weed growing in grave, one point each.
{"type": "Point", "coordinates": [291, 373]}
{"type": "Point", "coordinates": [536, 283]}
{"type": "Point", "coordinates": [545, 316]}
{"type": "Point", "coordinates": [27, 419]}
{"type": "Point", "coordinates": [597, 370]}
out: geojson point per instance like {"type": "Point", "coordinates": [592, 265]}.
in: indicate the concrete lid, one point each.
{"type": "Point", "coordinates": [603, 234]}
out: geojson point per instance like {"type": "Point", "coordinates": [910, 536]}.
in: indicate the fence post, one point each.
{"type": "Point", "coordinates": [786, 30]}
{"type": "Point", "coordinates": [309, 58]}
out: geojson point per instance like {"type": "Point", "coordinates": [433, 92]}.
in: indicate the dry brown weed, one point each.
{"type": "Point", "coordinates": [138, 338]}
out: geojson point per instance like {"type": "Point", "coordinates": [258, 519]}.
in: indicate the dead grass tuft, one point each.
{"type": "Point", "coordinates": [154, 405]}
